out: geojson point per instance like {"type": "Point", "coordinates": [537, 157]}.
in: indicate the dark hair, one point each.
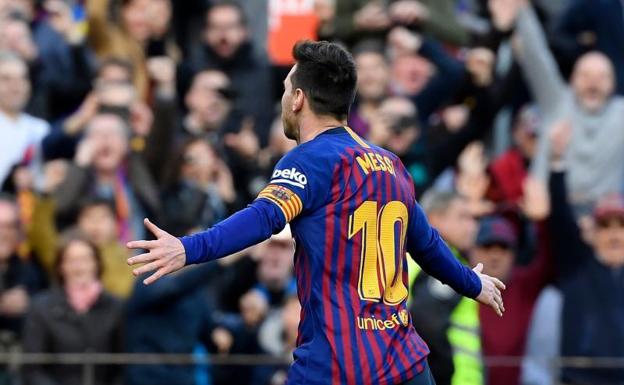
{"type": "Point", "coordinates": [369, 46]}
{"type": "Point", "coordinates": [173, 174]}
{"type": "Point", "coordinates": [115, 61]}
{"type": "Point", "coordinates": [229, 4]}
{"type": "Point", "coordinates": [60, 255]}
{"type": "Point", "coordinates": [91, 202]}
{"type": "Point", "coordinates": [227, 91]}
{"type": "Point", "coordinates": [327, 76]}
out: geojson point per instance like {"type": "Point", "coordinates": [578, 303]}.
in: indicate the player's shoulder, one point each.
{"type": "Point", "coordinates": [303, 165]}
{"type": "Point", "coordinates": [316, 153]}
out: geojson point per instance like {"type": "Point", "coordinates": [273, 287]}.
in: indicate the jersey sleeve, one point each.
{"type": "Point", "coordinates": [430, 251]}
{"type": "Point", "coordinates": [291, 185]}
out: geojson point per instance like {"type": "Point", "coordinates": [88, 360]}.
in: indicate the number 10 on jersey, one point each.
{"type": "Point", "coordinates": [381, 266]}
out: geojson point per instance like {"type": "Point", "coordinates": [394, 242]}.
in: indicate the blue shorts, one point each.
{"type": "Point", "coordinates": [424, 378]}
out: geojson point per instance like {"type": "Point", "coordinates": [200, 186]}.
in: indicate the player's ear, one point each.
{"type": "Point", "coordinates": [298, 100]}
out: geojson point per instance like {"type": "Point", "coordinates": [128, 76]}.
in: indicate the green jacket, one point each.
{"type": "Point", "coordinates": [449, 323]}
{"type": "Point", "coordinates": [442, 23]}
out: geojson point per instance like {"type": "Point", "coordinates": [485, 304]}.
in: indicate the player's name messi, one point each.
{"type": "Point", "coordinates": [371, 161]}
{"type": "Point", "coordinates": [371, 323]}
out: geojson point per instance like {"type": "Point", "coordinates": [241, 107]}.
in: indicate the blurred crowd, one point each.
{"type": "Point", "coordinates": [507, 114]}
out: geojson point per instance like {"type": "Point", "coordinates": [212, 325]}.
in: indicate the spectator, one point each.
{"type": "Point", "coordinates": [436, 18]}
{"type": "Point", "coordinates": [509, 170]}
{"type": "Point", "coordinates": [496, 248]}
{"type": "Point", "coordinates": [200, 189]}
{"type": "Point", "coordinates": [96, 220]}
{"type": "Point", "coordinates": [359, 19]}
{"type": "Point", "coordinates": [62, 50]}
{"type": "Point", "coordinates": [596, 151]}
{"type": "Point", "coordinates": [373, 85]}
{"type": "Point", "coordinates": [19, 277]}
{"type": "Point", "coordinates": [61, 320]}
{"type": "Point", "coordinates": [449, 324]}
{"type": "Point", "coordinates": [396, 127]}
{"type": "Point", "coordinates": [113, 75]}
{"type": "Point", "coordinates": [213, 116]}
{"type": "Point", "coordinates": [365, 19]}
{"type": "Point", "coordinates": [210, 106]}
{"type": "Point", "coordinates": [151, 129]}
{"type": "Point", "coordinates": [39, 205]}
{"type": "Point", "coordinates": [242, 338]}
{"type": "Point", "coordinates": [428, 89]}
{"type": "Point", "coordinates": [161, 42]}
{"type": "Point", "coordinates": [21, 133]}
{"type": "Point", "coordinates": [543, 340]}
{"type": "Point", "coordinates": [268, 270]}
{"type": "Point", "coordinates": [15, 37]}
{"type": "Point", "coordinates": [121, 31]}
{"type": "Point", "coordinates": [278, 336]}
{"type": "Point", "coordinates": [274, 287]}
{"type": "Point", "coordinates": [585, 25]}
{"type": "Point", "coordinates": [589, 269]}
{"type": "Point", "coordinates": [19, 280]}
{"type": "Point", "coordinates": [171, 316]}
{"type": "Point", "coordinates": [275, 271]}
{"type": "Point", "coordinates": [106, 168]}
{"type": "Point", "coordinates": [226, 46]}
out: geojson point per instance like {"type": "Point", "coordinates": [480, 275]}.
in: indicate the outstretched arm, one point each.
{"type": "Point", "coordinates": [431, 253]}
{"type": "Point", "coordinates": [245, 228]}
{"type": "Point", "coordinates": [284, 198]}
{"type": "Point", "coordinates": [537, 62]}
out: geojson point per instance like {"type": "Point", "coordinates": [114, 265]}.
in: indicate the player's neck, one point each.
{"type": "Point", "coordinates": [311, 128]}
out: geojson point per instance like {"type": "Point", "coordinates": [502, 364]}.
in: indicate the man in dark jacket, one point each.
{"type": "Point", "coordinates": [226, 46]}
{"type": "Point", "coordinates": [591, 278]}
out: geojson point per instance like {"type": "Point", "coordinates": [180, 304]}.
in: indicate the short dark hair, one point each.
{"type": "Point", "coordinates": [327, 76]}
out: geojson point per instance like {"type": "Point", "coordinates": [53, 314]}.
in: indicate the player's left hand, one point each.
{"type": "Point", "coordinates": [490, 291]}
{"type": "Point", "coordinates": [166, 254]}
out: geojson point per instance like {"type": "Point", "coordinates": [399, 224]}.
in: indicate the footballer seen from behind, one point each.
{"type": "Point", "coordinates": [353, 214]}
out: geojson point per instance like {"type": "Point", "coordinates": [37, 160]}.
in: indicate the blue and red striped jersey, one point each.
{"type": "Point", "coordinates": [353, 214]}
{"type": "Point", "coordinates": [354, 217]}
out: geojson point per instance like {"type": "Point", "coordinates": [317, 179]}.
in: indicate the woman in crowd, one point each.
{"type": "Point", "coordinates": [60, 319]}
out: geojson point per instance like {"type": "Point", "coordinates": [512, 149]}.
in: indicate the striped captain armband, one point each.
{"type": "Point", "coordinates": [286, 200]}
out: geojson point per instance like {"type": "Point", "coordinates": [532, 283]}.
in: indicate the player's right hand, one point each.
{"type": "Point", "coordinates": [166, 254]}
{"type": "Point", "coordinates": [490, 291]}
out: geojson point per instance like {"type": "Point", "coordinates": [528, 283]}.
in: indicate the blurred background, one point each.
{"type": "Point", "coordinates": [507, 114]}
